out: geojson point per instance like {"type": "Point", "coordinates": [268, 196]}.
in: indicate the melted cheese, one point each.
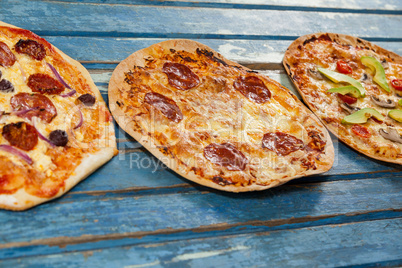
{"type": "Point", "coordinates": [65, 159]}
{"type": "Point", "coordinates": [215, 112]}
{"type": "Point", "coordinates": [327, 105]}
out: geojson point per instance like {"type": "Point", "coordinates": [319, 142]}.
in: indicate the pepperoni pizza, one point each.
{"type": "Point", "coordinates": [55, 127]}
{"type": "Point", "coordinates": [354, 87]}
{"type": "Point", "coordinates": [214, 121]}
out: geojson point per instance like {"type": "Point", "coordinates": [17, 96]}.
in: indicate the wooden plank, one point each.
{"type": "Point", "coordinates": [130, 213]}
{"type": "Point", "coordinates": [257, 54]}
{"type": "Point", "coordinates": [351, 6]}
{"type": "Point", "coordinates": [369, 243]}
{"type": "Point", "coordinates": [114, 50]}
{"type": "Point", "coordinates": [85, 243]}
{"type": "Point", "coordinates": [145, 21]}
{"type": "Point", "coordinates": [138, 168]}
{"type": "Point", "coordinates": [142, 164]}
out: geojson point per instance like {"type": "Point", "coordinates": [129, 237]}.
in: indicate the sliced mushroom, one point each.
{"type": "Point", "coordinates": [391, 135]}
{"type": "Point", "coordinates": [384, 64]}
{"type": "Point", "coordinates": [315, 74]}
{"type": "Point", "coordinates": [383, 103]}
{"type": "Point", "coordinates": [348, 108]}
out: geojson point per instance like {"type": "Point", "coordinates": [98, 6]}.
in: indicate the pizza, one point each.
{"type": "Point", "coordinates": [354, 87]}
{"type": "Point", "coordinates": [214, 121]}
{"type": "Point", "coordinates": [55, 127]}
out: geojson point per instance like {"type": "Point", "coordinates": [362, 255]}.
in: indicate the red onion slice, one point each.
{"type": "Point", "coordinates": [41, 136]}
{"type": "Point", "coordinates": [69, 94]}
{"type": "Point", "coordinates": [14, 151]}
{"type": "Point", "coordinates": [18, 113]}
{"type": "Point", "coordinates": [81, 120]}
{"type": "Point", "coordinates": [22, 112]}
{"type": "Point", "coordinates": [58, 76]}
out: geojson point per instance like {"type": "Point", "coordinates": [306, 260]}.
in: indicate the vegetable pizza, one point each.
{"type": "Point", "coordinates": [354, 87]}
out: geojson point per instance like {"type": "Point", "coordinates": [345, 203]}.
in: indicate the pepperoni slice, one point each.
{"type": "Point", "coordinates": [165, 105]}
{"type": "Point", "coordinates": [281, 143]}
{"type": "Point", "coordinates": [7, 58]}
{"type": "Point", "coordinates": [32, 48]}
{"type": "Point", "coordinates": [252, 88]}
{"type": "Point", "coordinates": [21, 135]}
{"type": "Point", "coordinates": [225, 155]}
{"type": "Point", "coordinates": [44, 84]}
{"type": "Point", "coordinates": [343, 67]}
{"type": "Point", "coordinates": [180, 76]}
{"type": "Point", "coordinates": [361, 131]}
{"type": "Point", "coordinates": [43, 107]}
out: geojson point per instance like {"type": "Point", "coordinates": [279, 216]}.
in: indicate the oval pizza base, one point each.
{"type": "Point", "coordinates": [346, 40]}
{"type": "Point", "coordinates": [118, 103]}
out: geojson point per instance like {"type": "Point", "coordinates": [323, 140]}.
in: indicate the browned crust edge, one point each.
{"type": "Point", "coordinates": [137, 58]}
{"type": "Point", "coordinates": [21, 200]}
{"type": "Point", "coordinates": [347, 40]}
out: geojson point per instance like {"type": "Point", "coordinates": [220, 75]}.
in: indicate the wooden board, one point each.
{"type": "Point", "coordinates": [135, 212]}
{"type": "Point", "coordinates": [329, 245]}
{"type": "Point", "coordinates": [255, 54]}
{"type": "Point", "coordinates": [363, 6]}
{"type": "Point", "coordinates": [213, 23]}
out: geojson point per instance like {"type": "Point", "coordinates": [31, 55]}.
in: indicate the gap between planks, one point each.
{"type": "Point", "coordinates": [194, 36]}
{"type": "Point", "coordinates": [247, 5]}
{"type": "Point", "coordinates": [192, 187]}
{"type": "Point", "coordinates": [270, 66]}
{"type": "Point", "coordinates": [226, 230]}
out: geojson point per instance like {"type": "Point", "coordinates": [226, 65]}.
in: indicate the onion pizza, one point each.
{"type": "Point", "coordinates": [55, 126]}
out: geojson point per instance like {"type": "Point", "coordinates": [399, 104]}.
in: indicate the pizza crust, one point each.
{"type": "Point", "coordinates": [346, 40]}
{"type": "Point", "coordinates": [138, 59]}
{"type": "Point", "coordinates": [21, 200]}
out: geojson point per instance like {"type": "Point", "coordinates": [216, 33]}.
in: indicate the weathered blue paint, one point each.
{"type": "Point", "coordinates": [357, 6]}
{"type": "Point", "coordinates": [53, 18]}
{"type": "Point", "coordinates": [134, 211]}
{"type": "Point", "coordinates": [114, 50]}
{"type": "Point", "coordinates": [323, 246]}
{"type": "Point", "coordinates": [100, 214]}
{"type": "Point", "coordinates": [65, 246]}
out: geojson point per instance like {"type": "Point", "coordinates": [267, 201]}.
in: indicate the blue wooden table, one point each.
{"type": "Point", "coordinates": [133, 212]}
